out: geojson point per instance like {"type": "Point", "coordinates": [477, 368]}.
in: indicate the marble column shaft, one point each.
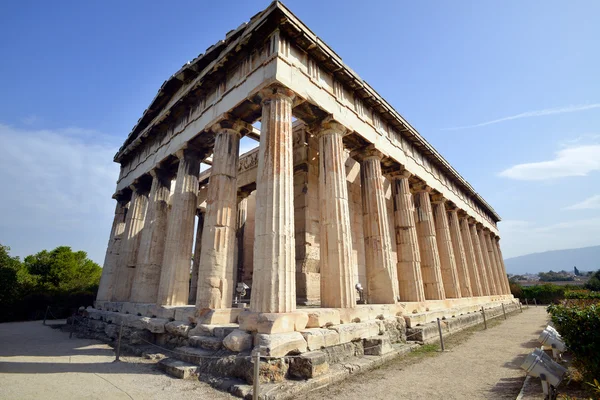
{"type": "Point", "coordinates": [496, 243]}
{"type": "Point", "coordinates": [107, 280]}
{"type": "Point", "coordinates": [410, 279]}
{"type": "Point", "coordinates": [481, 267]}
{"type": "Point", "coordinates": [337, 277]}
{"type": "Point", "coordinates": [134, 223]}
{"type": "Point", "coordinates": [430, 258]}
{"type": "Point", "coordinates": [460, 255]}
{"type": "Point", "coordinates": [152, 242]}
{"type": "Point", "coordinates": [472, 261]}
{"type": "Point", "coordinates": [274, 274]}
{"type": "Point", "coordinates": [382, 277]}
{"type": "Point", "coordinates": [215, 276]}
{"type": "Point", "coordinates": [445, 249]}
{"type": "Point", "coordinates": [196, 259]}
{"type": "Point", "coordinates": [486, 260]}
{"type": "Point", "coordinates": [242, 216]}
{"type": "Point", "coordinates": [493, 266]}
{"type": "Point", "coordinates": [175, 273]}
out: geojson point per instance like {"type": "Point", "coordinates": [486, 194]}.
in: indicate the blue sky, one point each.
{"type": "Point", "coordinates": [508, 92]}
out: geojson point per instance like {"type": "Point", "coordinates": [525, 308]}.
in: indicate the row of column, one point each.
{"type": "Point", "coordinates": [441, 253]}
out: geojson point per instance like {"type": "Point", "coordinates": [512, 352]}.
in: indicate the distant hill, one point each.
{"type": "Point", "coordinates": [585, 259]}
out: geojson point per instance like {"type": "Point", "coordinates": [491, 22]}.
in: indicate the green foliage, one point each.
{"type": "Point", "coordinates": [516, 289]}
{"type": "Point", "coordinates": [546, 293]}
{"type": "Point", "coordinates": [594, 282]}
{"type": "Point", "coordinates": [579, 326]}
{"type": "Point", "coordinates": [582, 294]}
{"type": "Point", "coordinates": [552, 276]}
{"type": "Point", "coordinates": [60, 278]}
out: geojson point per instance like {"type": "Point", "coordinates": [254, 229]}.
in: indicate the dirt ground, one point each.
{"type": "Point", "coordinates": [479, 364]}
{"type": "Point", "coordinates": [38, 362]}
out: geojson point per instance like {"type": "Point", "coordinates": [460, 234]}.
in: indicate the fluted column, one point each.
{"type": "Point", "coordinates": [486, 261]}
{"type": "Point", "coordinates": [107, 280]}
{"type": "Point", "coordinates": [465, 232]}
{"type": "Point", "coordinates": [460, 255]}
{"type": "Point", "coordinates": [242, 216]}
{"type": "Point", "coordinates": [430, 257]}
{"type": "Point", "coordinates": [382, 278]}
{"type": "Point", "coordinates": [445, 248]}
{"type": "Point", "coordinates": [337, 278]}
{"type": "Point", "coordinates": [175, 273]}
{"type": "Point", "coordinates": [134, 223]}
{"type": "Point", "coordinates": [408, 268]}
{"type": "Point", "coordinates": [196, 258]}
{"type": "Point", "coordinates": [498, 252]}
{"type": "Point", "coordinates": [215, 276]}
{"type": "Point", "coordinates": [493, 266]}
{"type": "Point", "coordinates": [152, 243]}
{"type": "Point", "coordinates": [481, 268]}
{"type": "Point", "coordinates": [274, 274]}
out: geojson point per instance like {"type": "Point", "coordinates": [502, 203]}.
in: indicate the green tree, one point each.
{"type": "Point", "coordinates": [9, 276]}
{"type": "Point", "coordinates": [63, 269]}
{"type": "Point", "coordinates": [594, 282]}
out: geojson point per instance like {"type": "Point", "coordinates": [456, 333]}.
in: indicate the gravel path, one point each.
{"type": "Point", "coordinates": [38, 362]}
{"type": "Point", "coordinates": [482, 365]}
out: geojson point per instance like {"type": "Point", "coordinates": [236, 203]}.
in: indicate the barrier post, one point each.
{"type": "Point", "coordinates": [46, 314]}
{"type": "Point", "coordinates": [503, 311]}
{"type": "Point", "coordinates": [119, 343]}
{"type": "Point", "coordinates": [484, 320]}
{"type": "Point", "coordinates": [256, 391]}
{"type": "Point", "coordinates": [72, 326]}
{"type": "Point", "coordinates": [535, 302]}
{"type": "Point", "coordinates": [441, 336]}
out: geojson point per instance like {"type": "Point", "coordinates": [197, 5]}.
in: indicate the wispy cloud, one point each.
{"type": "Point", "coordinates": [574, 161]}
{"type": "Point", "coordinates": [591, 203]}
{"type": "Point", "coordinates": [531, 114]}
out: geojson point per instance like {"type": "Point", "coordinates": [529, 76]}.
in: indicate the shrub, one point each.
{"type": "Point", "coordinates": [545, 294]}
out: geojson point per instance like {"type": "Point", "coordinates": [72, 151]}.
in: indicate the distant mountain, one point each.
{"type": "Point", "coordinates": [585, 259]}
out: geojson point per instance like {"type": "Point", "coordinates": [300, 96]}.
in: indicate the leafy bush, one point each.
{"type": "Point", "coordinates": [579, 325]}
{"type": "Point", "coordinates": [545, 294]}
{"type": "Point", "coordinates": [594, 282]}
{"type": "Point", "coordinates": [581, 294]}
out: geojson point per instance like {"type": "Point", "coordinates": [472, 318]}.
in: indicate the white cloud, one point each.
{"type": "Point", "coordinates": [574, 161]}
{"type": "Point", "coordinates": [591, 203]}
{"type": "Point", "coordinates": [531, 114]}
{"type": "Point", "coordinates": [57, 187]}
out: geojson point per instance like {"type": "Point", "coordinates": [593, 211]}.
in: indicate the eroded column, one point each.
{"type": "Point", "coordinates": [152, 243]}
{"type": "Point", "coordinates": [465, 232]}
{"type": "Point", "coordinates": [175, 273]}
{"type": "Point", "coordinates": [481, 268]}
{"type": "Point", "coordinates": [410, 280]}
{"type": "Point", "coordinates": [445, 248]}
{"type": "Point", "coordinates": [382, 278]}
{"type": "Point", "coordinates": [107, 280]}
{"type": "Point", "coordinates": [496, 245]}
{"type": "Point", "coordinates": [493, 266]}
{"type": "Point", "coordinates": [215, 276]}
{"type": "Point", "coordinates": [274, 274]}
{"type": "Point", "coordinates": [430, 258]}
{"type": "Point", "coordinates": [337, 280]}
{"type": "Point", "coordinates": [134, 223]}
{"type": "Point", "coordinates": [486, 261]}
{"type": "Point", "coordinates": [196, 258]}
{"type": "Point", "coordinates": [460, 255]}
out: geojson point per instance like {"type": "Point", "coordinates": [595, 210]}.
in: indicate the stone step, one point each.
{"type": "Point", "coordinates": [206, 342]}
{"type": "Point", "coordinates": [216, 330]}
{"type": "Point", "coordinates": [178, 369]}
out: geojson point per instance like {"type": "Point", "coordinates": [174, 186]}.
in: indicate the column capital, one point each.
{"type": "Point", "coordinates": [276, 92]}
{"type": "Point", "coordinates": [421, 187]}
{"type": "Point", "coordinates": [140, 186]}
{"type": "Point", "coordinates": [187, 152]}
{"type": "Point", "coordinates": [122, 196]}
{"type": "Point", "coordinates": [328, 126]}
{"type": "Point", "coordinates": [367, 152]}
{"type": "Point", "coordinates": [398, 174]}
{"type": "Point", "coordinates": [231, 125]}
{"type": "Point", "coordinates": [438, 198]}
{"type": "Point", "coordinates": [471, 220]}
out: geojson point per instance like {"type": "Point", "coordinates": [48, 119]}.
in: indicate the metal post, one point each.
{"type": "Point", "coordinates": [46, 314]}
{"type": "Point", "coordinates": [535, 302]}
{"type": "Point", "coordinates": [119, 343]}
{"type": "Point", "coordinates": [503, 311]}
{"type": "Point", "coordinates": [256, 392]}
{"type": "Point", "coordinates": [72, 326]}
{"type": "Point", "coordinates": [484, 320]}
{"type": "Point", "coordinates": [520, 306]}
{"type": "Point", "coordinates": [441, 336]}
{"type": "Point", "coordinates": [526, 302]}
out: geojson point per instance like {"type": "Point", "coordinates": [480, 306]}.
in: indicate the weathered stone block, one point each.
{"type": "Point", "coordinates": [356, 331]}
{"type": "Point", "coordinates": [205, 342]}
{"type": "Point", "coordinates": [135, 322]}
{"type": "Point", "coordinates": [238, 340]}
{"type": "Point", "coordinates": [357, 314]}
{"type": "Point", "coordinates": [309, 365]}
{"type": "Point", "coordinates": [317, 338]}
{"type": "Point", "coordinates": [248, 321]}
{"type": "Point", "coordinates": [159, 311]}
{"type": "Point", "coordinates": [280, 344]}
{"type": "Point", "coordinates": [179, 328]}
{"type": "Point", "coordinates": [218, 316]}
{"type": "Point", "coordinates": [281, 322]}
{"type": "Point", "coordinates": [156, 325]}
{"type": "Point", "coordinates": [377, 346]}
{"type": "Point", "coordinates": [321, 317]}
{"type": "Point", "coordinates": [185, 313]}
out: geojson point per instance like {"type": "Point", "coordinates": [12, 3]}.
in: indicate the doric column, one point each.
{"type": "Point", "coordinates": [460, 255]}
{"type": "Point", "coordinates": [152, 243]}
{"type": "Point", "coordinates": [134, 223]}
{"type": "Point", "coordinates": [337, 278]}
{"type": "Point", "coordinates": [107, 281]}
{"type": "Point", "coordinates": [175, 273]}
{"type": "Point", "coordinates": [445, 249]}
{"type": "Point", "coordinates": [274, 274]}
{"type": "Point", "coordinates": [498, 253]}
{"type": "Point", "coordinates": [481, 269]}
{"type": "Point", "coordinates": [465, 232]}
{"type": "Point", "coordinates": [493, 266]}
{"type": "Point", "coordinates": [408, 268]}
{"type": "Point", "coordinates": [215, 276]}
{"type": "Point", "coordinates": [242, 216]}
{"type": "Point", "coordinates": [196, 258]}
{"type": "Point", "coordinates": [486, 261]}
{"type": "Point", "coordinates": [430, 257]}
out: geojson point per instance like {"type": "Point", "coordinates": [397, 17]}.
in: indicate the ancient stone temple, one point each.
{"type": "Point", "coordinates": [343, 207]}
